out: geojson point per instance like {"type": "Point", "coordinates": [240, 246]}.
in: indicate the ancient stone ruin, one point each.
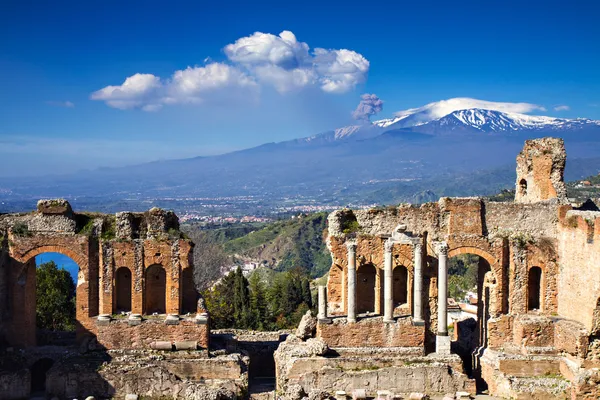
{"type": "Point", "coordinates": [141, 327]}
{"type": "Point", "coordinates": [384, 311]}
{"type": "Point", "coordinates": [382, 329]}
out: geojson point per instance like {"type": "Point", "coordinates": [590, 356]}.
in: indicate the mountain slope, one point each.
{"type": "Point", "coordinates": [383, 161]}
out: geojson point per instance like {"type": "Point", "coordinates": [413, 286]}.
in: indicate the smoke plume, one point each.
{"type": "Point", "coordinates": [369, 105]}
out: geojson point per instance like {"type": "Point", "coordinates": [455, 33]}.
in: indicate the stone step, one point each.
{"type": "Point", "coordinates": [540, 387]}
{"type": "Point", "coordinates": [263, 395]}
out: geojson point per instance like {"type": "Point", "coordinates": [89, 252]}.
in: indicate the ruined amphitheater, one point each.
{"type": "Point", "coordinates": [382, 328]}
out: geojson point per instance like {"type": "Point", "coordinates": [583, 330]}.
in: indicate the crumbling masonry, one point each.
{"type": "Point", "coordinates": [384, 309]}
{"type": "Point", "coordinates": [141, 327]}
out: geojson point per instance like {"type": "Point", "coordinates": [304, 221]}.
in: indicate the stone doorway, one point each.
{"type": "Point", "coordinates": [534, 284]}
{"type": "Point", "coordinates": [467, 285]}
{"type": "Point", "coordinates": [39, 371]}
{"type": "Point", "coordinates": [156, 290]}
{"type": "Point", "coordinates": [123, 289]}
{"type": "Point", "coordinates": [366, 277]}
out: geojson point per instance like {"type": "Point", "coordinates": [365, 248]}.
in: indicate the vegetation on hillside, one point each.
{"type": "Point", "coordinates": [284, 245]}
{"type": "Point", "coordinates": [55, 298]}
{"type": "Point", "coordinates": [287, 244]}
{"type": "Point", "coordinates": [277, 302]}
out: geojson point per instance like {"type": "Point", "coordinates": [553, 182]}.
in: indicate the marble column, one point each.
{"type": "Point", "coordinates": [351, 246]}
{"type": "Point", "coordinates": [322, 302]}
{"type": "Point", "coordinates": [442, 339]}
{"type": "Point", "coordinates": [388, 279]}
{"type": "Point", "coordinates": [418, 285]}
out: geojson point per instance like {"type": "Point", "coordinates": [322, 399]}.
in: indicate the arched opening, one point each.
{"type": "Point", "coordinates": [366, 276]}
{"type": "Point", "coordinates": [467, 286]}
{"type": "Point", "coordinates": [55, 281]}
{"type": "Point", "coordinates": [189, 302]}
{"type": "Point", "coordinates": [123, 290]}
{"type": "Point", "coordinates": [534, 283]}
{"type": "Point", "coordinates": [523, 187]}
{"type": "Point", "coordinates": [400, 288]}
{"type": "Point", "coordinates": [39, 371]}
{"type": "Point", "coordinates": [156, 289]}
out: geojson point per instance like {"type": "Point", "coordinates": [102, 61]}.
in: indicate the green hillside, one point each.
{"type": "Point", "coordinates": [286, 244]}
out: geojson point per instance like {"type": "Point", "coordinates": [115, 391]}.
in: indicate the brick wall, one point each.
{"type": "Point", "coordinates": [371, 332]}
{"type": "Point", "coordinates": [118, 334]}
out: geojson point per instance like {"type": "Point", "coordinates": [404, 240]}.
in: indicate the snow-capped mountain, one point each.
{"type": "Point", "coordinates": [447, 117]}
{"type": "Point", "coordinates": [490, 121]}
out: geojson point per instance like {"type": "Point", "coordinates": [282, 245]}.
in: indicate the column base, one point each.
{"type": "Point", "coordinates": [389, 321]}
{"type": "Point", "coordinates": [418, 322]}
{"type": "Point", "coordinates": [442, 344]}
{"type": "Point", "coordinates": [353, 320]}
{"type": "Point", "coordinates": [324, 320]}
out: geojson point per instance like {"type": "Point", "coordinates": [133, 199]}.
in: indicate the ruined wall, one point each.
{"type": "Point", "coordinates": [307, 367]}
{"type": "Point", "coordinates": [99, 244]}
{"type": "Point", "coordinates": [540, 167]}
{"type": "Point", "coordinates": [121, 333]}
{"type": "Point", "coordinates": [116, 374]}
{"type": "Point", "coordinates": [579, 278]}
{"type": "Point", "coordinates": [372, 332]}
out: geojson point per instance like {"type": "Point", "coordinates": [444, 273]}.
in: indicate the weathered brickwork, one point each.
{"type": "Point", "coordinates": [121, 334]}
{"type": "Point", "coordinates": [145, 247]}
{"type": "Point", "coordinates": [372, 333]}
{"type": "Point", "coordinates": [538, 280]}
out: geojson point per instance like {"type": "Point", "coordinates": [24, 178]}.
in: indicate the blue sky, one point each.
{"type": "Point", "coordinates": [62, 261]}
{"type": "Point", "coordinates": [61, 65]}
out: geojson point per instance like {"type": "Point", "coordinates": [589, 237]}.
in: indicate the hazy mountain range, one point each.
{"type": "Point", "coordinates": [415, 156]}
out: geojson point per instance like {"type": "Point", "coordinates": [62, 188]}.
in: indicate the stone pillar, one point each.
{"type": "Point", "coordinates": [418, 285]}
{"type": "Point", "coordinates": [322, 302]}
{"type": "Point", "coordinates": [442, 340]}
{"type": "Point", "coordinates": [388, 278]}
{"type": "Point", "coordinates": [351, 246]}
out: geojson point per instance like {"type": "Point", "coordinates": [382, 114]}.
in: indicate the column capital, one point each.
{"type": "Point", "coordinates": [442, 248]}
{"type": "Point", "coordinates": [388, 245]}
{"type": "Point", "coordinates": [418, 247]}
{"type": "Point", "coordinates": [351, 246]}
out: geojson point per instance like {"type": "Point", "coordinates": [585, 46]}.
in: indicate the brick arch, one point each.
{"type": "Point", "coordinates": [23, 328]}
{"type": "Point", "coordinates": [474, 250]}
{"type": "Point", "coordinates": [80, 259]}
{"type": "Point", "coordinates": [495, 267]}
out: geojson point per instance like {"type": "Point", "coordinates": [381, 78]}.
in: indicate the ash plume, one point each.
{"type": "Point", "coordinates": [370, 104]}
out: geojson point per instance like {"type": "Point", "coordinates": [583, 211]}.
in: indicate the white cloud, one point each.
{"type": "Point", "coordinates": [562, 108]}
{"type": "Point", "coordinates": [66, 104]}
{"type": "Point", "coordinates": [287, 64]}
{"type": "Point", "coordinates": [191, 85]}
{"type": "Point", "coordinates": [444, 107]}
{"type": "Point", "coordinates": [137, 91]}
{"type": "Point", "coordinates": [266, 49]}
{"type": "Point", "coordinates": [261, 58]}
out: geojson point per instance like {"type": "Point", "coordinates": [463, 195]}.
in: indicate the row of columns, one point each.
{"type": "Point", "coordinates": [443, 340]}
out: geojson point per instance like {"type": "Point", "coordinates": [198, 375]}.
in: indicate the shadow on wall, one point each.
{"type": "Point", "coordinates": [55, 371]}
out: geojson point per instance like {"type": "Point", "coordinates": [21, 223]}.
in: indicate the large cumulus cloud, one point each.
{"type": "Point", "coordinates": [261, 59]}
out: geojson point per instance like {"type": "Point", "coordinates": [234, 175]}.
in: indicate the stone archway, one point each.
{"type": "Point", "coordinates": [123, 289]}
{"type": "Point", "coordinates": [366, 276]}
{"type": "Point", "coordinates": [498, 291]}
{"type": "Point", "coordinates": [156, 290]}
{"type": "Point", "coordinates": [22, 297]}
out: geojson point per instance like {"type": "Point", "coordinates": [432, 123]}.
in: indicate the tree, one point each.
{"type": "Point", "coordinates": [306, 294]}
{"type": "Point", "coordinates": [258, 310]}
{"type": "Point", "coordinates": [55, 298]}
{"type": "Point", "coordinates": [241, 300]}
